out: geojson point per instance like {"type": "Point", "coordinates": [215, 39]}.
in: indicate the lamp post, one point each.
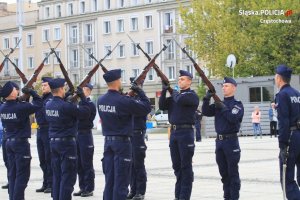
{"type": "Point", "coordinates": [231, 62]}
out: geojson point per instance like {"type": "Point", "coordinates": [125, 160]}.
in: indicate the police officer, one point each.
{"type": "Point", "coordinates": [62, 117]}
{"type": "Point", "coordinates": [139, 176]}
{"type": "Point", "coordinates": [181, 108]}
{"type": "Point", "coordinates": [15, 119]}
{"type": "Point", "coordinates": [85, 148]}
{"type": "Point", "coordinates": [42, 139]}
{"type": "Point", "coordinates": [198, 118]}
{"type": "Point", "coordinates": [288, 108]}
{"type": "Point", "coordinates": [116, 112]}
{"type": "Point", "coordinates": [228, 117]}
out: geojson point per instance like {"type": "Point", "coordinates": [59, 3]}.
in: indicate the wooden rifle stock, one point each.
{"type": "Point", "coordinates": [19, 72]}
{"type": "Point", "coordinates": [201, 73]}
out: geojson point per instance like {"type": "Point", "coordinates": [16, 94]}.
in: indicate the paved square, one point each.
{"type": "Point", "coordinates": [259, 171]}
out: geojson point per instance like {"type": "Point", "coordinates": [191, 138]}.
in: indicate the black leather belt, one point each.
{"type": "Point", "coordinates": [64, 139]}
{"type": "Point", "coordinates": [138, 131]}
{"type": "Point", "coordinates": [17, 139]}
{"type": "Point", "coordinates": [226, 136]}
{"type": "Point", "coordinates": [120, 138]}
{"type": "Point", "coordinates": [294, 128]}
{"type": "Point", "coordinates": [181, 126]}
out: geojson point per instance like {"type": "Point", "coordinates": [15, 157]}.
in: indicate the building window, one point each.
{"type": "Point", "coordinates": [261, 94]}
{"type": "Point", "coordinates": [148, 21]}
{"type": "Point", "coordinates": [88, 59]}
{"type": "Point", "coordinates": [58, 11]}
{"type": "Point", "coordinates": [134, 2]}
{"type": "Point", "coordinates": [16, 40]}
{"type": "Point", "coordinates": [107, 48]}
{"type": "Point", "coordinates": [171, 73]}
{"type": "Point", "coordinates": [46, 35]}
{"type": "Point", "coordinates": [16, 61]}
{"type": "Point", "coordinates": [47, 61]}
{"type": "Point", "coordinates": [82, 7]}
{"type": "Point", "coordinates": [6, 69]}
{"type": "Point", "coordinates": [170, 52]}
{"type": "Point", "coordinates": [168, 22]}
{"type": "Point", "coordinates": [188, 50]}
{"type": "Point", "coordinates": [55, 58]}
{"type": "Point", "coordinates": [73, 35]}
{"type": "Point", "coordinates": [151, 75]}
{"type": "Point", "coordinates": [30, 40]}
{"type": "Point", "coordinates": [88, 33]}
{"type": "Point", "coordinates": [120, 25]}
{"type": "Point", "coordinates": [148, 1]}
{"type": "Point", "coordinates": [30, 62]}
{"type": "Point", "coordinates": [95, 5]}
{"type": "Point", "coordinates": [121, 3]}
{"type": "Point", "coordinates": [6, 43]}
{"type": "Point", "coordinates": [121, 52]}
{"type": "Point", "coordinates": [135, 72]}
{"type": "Point", "coordinates": [106, 27]}
{"type": "Point", "coordinates": [134, 24]}
{"type": "Point", "coordinates": [123, 77]}
{"type": "Point", "coordinates": [106, 4]}
{"type": "Point", "coordinates": [74, 58]}
{"type": "Point", "coordinates": [149, 47]}
{"type": "Point", "coordinates": [190, 68]}
{"type": "Point", "coordinates": [75, 78]}
{"type": "Point", "coordinates": [135, 51]}
{"type": "Point", "coordinates": [70, 9]}
{"type": "Point", "coordinates": [57, 33]}
{"type": "Point", "coordinates": [47, 12]}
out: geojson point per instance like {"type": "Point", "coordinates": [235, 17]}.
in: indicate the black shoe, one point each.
{"type": "Point", "coordinates": [42, 189]}
{"type": "Point", "coordinates": [48, 190]}
{"type": "Point", "coordinates": [87, 194]}
{"type": "Point", "coordinates": [77, 194]}
{"type": "Point", "coordinates": [4, 186]}
{"type": "Point", "coordinates": [138, 197]}
{"type": "Point", "coordinates": [130, 196]}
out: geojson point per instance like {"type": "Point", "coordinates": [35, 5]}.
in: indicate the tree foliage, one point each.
{"type": "Point", "coordinates": [217, 29]}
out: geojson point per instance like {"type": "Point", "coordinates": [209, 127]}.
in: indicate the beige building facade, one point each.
{"type": "Point", "coordinates": [96, 26]}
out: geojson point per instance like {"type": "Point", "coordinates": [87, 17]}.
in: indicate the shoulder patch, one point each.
{"type": "Point", "coordinates": [235, 111]}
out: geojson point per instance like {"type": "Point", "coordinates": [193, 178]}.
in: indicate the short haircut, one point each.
{"type": "Point", "coordinates": [55, 91]}
{"type": "Point", "coordinates": [285, 79]}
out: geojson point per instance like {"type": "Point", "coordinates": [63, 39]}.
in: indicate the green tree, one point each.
{"type": "Point", "coordinates": [219, 28]}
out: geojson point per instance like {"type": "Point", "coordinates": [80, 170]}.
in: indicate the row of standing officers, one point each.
{"type": "Point", "coordinates": [65, 143]}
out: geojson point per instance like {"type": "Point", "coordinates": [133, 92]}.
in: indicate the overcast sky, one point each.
{"type": "Point", "coordinates": [14, 1]}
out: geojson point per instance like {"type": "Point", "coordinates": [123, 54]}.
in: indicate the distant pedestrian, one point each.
{"type": "Point", "coordinates": [273, 120]}
{"type": "Point", "coordinates": [198, 118]}
{"type": "Point", "coordinates": [256, 115]}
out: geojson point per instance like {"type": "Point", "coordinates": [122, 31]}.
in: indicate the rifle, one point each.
{"type": "Point", "coordinates": [19, 72]}
{"type": "Point", "coordinates": [6, 56]}
{"type": "Point", "coordinates": [88, 77]}
{"type": "Point", "coordinates": [156, 68]}
{"type": "Point", "coordinates": [63, 69]}
{"type": "Point", "coordinates": [35, 74]}
{"type": "Point", "coordinates": [200, 71]}
{"type": "Point", "coordinates": [140, 79]}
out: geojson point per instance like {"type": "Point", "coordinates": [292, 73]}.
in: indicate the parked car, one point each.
{"type": "Point", "coordinates": [161, 117]}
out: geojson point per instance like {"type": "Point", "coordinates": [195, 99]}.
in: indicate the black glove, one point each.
{"type": "Point", "coordinates": [220, 105]}
{"type": "Point", "coordinates": [27, 90]}
{"type": "Point", "coordinates": [134, 87]}
{"type": "Point", "coordinates": [68, 93]}
{"type": "Point", "coordinates": [80, 93]}
{"type": "Point", "coordinates": [165, 86]}
{"type": "Point", "coordinates": [284, 154]}
{"type": "Point", "coordinates": [208, 95]}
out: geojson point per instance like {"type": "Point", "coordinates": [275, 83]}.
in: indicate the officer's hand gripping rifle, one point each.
{"type": "Point", "coordinates": [35, 74]}
{"type": "Point", "coordinates": [63, 69]}
{"type": "Point", "coordinates": [19, 72]}
{"type": "Point", "coordinates": [7, 56]}
{"type": "Point", "coordinates": [200, 72]}
{"type": "Point", "coordinates": [156, 68]}
{"type": "Point", "coordinates": [140, 79]}
{"type": "Point", "coordinates": [88, 77]}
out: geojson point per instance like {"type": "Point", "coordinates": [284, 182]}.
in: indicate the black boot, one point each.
{"type": "Point", "coordinates": [48, 190]}
{"type": "Point", "coordinates": [77, 194]}
{"type": "Point", "coordinates": [4, 186]}
{"type": "Point", "coordinates": [87, 194]}
{"type": "Point", "coordinates": [138, 197]}
{"type": "Point", "coordinates": [42, 189]}
{"type": "Point", "coordinates": [130, 196]}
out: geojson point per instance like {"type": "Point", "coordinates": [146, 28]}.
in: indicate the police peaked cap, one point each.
{"type": "Point", "coordinates": [7, 89]}
{"type": "Point", "coordinates": [57, 83]}
{"type": "Point", "coordinates": [90, 86]}
{"type": "Point", "coordinates": [284, 70]}
{"type": "Point", "coordinates": [46, 79]}
{"type": "Point", "coordinates": [229, 80]}
{"type": "Point", "coordinates": [185, 73]}
{"type": "Point", "coordinates": [112, 75]}
{"type": "Point", "coordinates": [15, 85]}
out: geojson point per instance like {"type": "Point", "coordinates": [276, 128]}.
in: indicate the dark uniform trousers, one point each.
{"type": "Point", "coordinates": [116, 165]}
{"type": "Point", "coordinates": [139, 174]}
{"type": "Point", "coordinates": [19, 158]}
{"type": "Point", "coordinates": [85, 151]}
{"type": "Point", "coordinates": [182, 149]}
{"type": "Point", "coordinates": [64, 166]}
{"type": "Point", "coordinates": [228, 155]}
{"type": "Point", "coordinates": [198, 131]}
{"type": "Point", "coordinates": [44, 153]}
{"type": "Point", "coordinates": [4, 154]}
{"type": "Point", "coordinates": [292, 189]}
